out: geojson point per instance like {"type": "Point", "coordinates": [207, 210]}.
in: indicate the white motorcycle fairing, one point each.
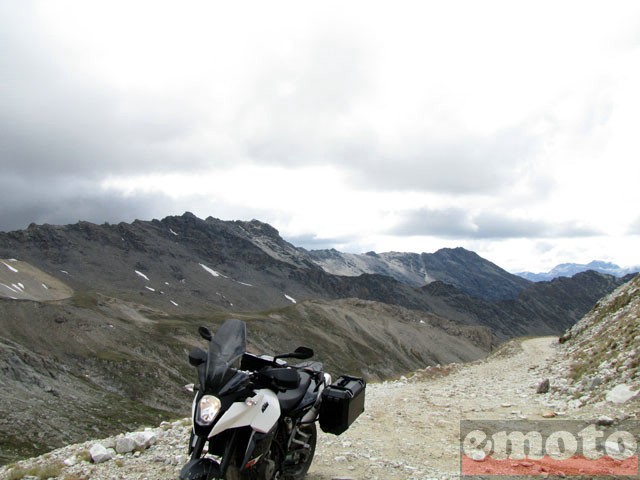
{"type": "Point", "coordinates": [261, 412]}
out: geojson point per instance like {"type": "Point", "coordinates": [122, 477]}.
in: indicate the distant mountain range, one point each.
{"type": "Point", "coordinates": [570, 269]}
{"type": "Point", "coordinates": [184, 265]}
{"type": "Point", "coordinates": [452, 266]}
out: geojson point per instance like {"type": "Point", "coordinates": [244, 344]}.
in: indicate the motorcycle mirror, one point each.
{"type": "Point", "coordinates": [205, 333]}
{"type": "Point", "coordinates": [197, 356]}
{"type": "Point", "coordinates": [190, 387]}
{"type": "Point", "coordinates": [303, 353]}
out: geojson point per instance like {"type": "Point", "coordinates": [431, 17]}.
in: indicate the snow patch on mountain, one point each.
{"type": "Point", "coordinates": [22, 281]}
{"type": "Point", "coordinates": [140, 274]}
{"type": "Point", "coordinates": [10, 267]}
{"type": "Point", "coordinates": [211, 271]}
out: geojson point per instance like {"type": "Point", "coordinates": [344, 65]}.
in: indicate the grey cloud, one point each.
{"type": "Point", "coordinates": [461, 224]}
{"type": "Point", "coordinates": [453, 222]}
{"type": "Point", "coordinates": [57, 118]}
{"type": "Point", "coordinates": [467, 166]}
{"type": "Point", "coordinates": [309, 129]}
{"type": "Point", "coordinates": [491, 225]}
{"type": "Point", "coordinates": [63, 200]}
{"type": "Point", "coordinates": [299, 109]}
{"type": "Point", "coordinates": [62, 131]}
{"type": "Point", "coordinates": [306, 109]}
{"type": "Point", "coordinates": [293, 114]}
{"type": "Point", "coordinates": [72, 128]}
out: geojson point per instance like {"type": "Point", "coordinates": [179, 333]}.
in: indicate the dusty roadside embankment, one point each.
{"type": "Point", "coordinates": [410, 429]}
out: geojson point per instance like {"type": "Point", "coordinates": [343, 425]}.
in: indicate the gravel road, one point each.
{"type": "Point", "coordinates": [410, 429]}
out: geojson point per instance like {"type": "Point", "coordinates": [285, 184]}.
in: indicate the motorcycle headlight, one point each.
{"type": "Point", "coordinates": [208, 409]}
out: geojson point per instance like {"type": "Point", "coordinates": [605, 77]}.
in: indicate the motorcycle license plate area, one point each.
{"type": "Point", "coordinates": [342, 403]}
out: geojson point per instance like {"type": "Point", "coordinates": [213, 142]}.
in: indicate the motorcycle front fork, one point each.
{"type": "Point", "coordinates": [196, 445]}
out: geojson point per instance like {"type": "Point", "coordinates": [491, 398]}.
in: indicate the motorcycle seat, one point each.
{"type": "Point", "coordinates": [290, 398]}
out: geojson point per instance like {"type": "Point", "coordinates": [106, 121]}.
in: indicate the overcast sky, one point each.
{"type": "Point", "coordinates": [509, 128]}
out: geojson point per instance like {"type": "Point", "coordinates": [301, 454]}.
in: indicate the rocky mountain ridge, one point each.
{"type": "Point", "coordinates": [184, 265]}
{"type": "Point", "coordinates": [461, 268]}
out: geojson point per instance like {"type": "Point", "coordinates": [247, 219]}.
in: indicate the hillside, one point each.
{"type": "Point", "coordinates": [194, 263]}
{"type": "Point", "coordinates": [21, 281]}
{"type": "Point", "coordinates": [602, 350]}
{"type": "Point", "coordinates": [104, 365]}
{"type": "Point", "coordinates": [543, 308]}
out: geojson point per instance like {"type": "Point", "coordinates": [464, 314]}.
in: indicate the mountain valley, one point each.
{"type": "Point", "coordinates": [97, 319]}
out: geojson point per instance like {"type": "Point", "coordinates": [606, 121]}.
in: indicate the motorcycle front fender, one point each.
{"type": "Point", "coordinates": [200, 469]}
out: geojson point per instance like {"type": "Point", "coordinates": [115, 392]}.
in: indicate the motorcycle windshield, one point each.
{"type": "Point", "coordinates": [227, 345]}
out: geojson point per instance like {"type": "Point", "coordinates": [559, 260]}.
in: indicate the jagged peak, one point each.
{"type": "Point", "coordinates": [257, 226]}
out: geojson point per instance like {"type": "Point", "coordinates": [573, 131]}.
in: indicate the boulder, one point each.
{"type": "Point", "coordinates": [99, 453]}
{"type": "Point", "coordinates": [543, 386]}
{"type": "Point", "coordinates": [125, 444]}
{"type": "Point", "coordinates": [143, 440]}
{"type": "Point", "coordinates": [621, 393]}
{"type": "Point", "coordinates": [604, 421]}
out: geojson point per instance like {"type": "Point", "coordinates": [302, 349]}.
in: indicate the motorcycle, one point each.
{"type": "Point", "coordinates": [254, 416]}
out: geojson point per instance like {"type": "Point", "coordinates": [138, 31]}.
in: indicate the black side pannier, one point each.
{"type": "Point", "coordinates": [342, 403]}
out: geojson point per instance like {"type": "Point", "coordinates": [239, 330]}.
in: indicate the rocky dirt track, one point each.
{"type": "Point", "coordinates": [410, 429]}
